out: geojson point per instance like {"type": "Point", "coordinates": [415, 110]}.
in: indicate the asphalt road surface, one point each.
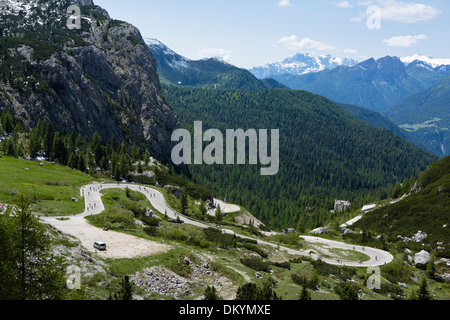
{"type": "Point", "coordinates": [122, 245]}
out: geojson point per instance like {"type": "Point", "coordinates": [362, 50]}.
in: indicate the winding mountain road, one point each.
{"type": "Point", "coordinates": [122, 245]}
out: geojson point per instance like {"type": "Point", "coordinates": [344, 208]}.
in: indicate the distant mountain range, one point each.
{"type": "Point", "coordinates": [433, 62]}
{"type": "Point", "coordinates": [373, 84]}
{"type": "Point", "coordinates": [207, 73]}
{"type": "Point", "coordinates": [301, 63]}
{"type": "Point", "coordinates": [369, 90]}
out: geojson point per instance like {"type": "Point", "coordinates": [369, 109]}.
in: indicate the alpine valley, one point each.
{"type": "Point", "coordinates": [93, 207]}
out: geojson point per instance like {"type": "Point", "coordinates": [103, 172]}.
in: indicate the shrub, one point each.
{"type": "Point", "coordinates": [397, 271]}
{"type": "Point", "coordinates": [325, 269]}
{"type": "Point", "coordinates": [45, 197]}
{"type": "Point", "coordinates": [175, 235]}
{"type": "Point", "coordinates": [180, 268]}
{"type": "Point", "coordinates": [151, 231]}
{"type": "Point", "coordinates": [443, 253]}
{"type": "Point", "coordinates": [246, 240]}
{"type": "Point", "coordinates": [136, 208]}
{"type": "Point", "coordinates": [254, 248]}
{"type": "Point", "coordinates": [153, 222]}
{"type": "Point", "coordinates": [255, 263]}
{"type": "Point", "coordinates": [55, 183]}
{"type": "Point", "coordinates": [388, 288]}
{"type": "Point", "coordinates": [211, 294]}
{"type": "Point", "coordinates": [285, 265]}
{"type": "Point", "coordinates": [251, 291]}
{"type": "Point", "coordinates": [222, 240]}
{"type": "Point", "coordinates": [114, 218]}
{"type": "Point", "coordinates": [346, 291]}
{"type": "Point", "coordinates": [289, 239]}
{"type": "Point", "coordinates": [311, 283]}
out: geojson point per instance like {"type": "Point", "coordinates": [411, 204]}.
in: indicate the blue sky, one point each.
{"type": "Point", "coordinates": [251, 33]}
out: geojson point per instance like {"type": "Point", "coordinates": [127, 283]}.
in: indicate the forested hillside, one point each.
{"type": "Point", "coordinates": [426, 209]}
{"type": "Point", "coordinates": [325, 153]}
{"type": "Point", "coordinates": [425, 116]}
{"type": "Point", "coordinates": [377, 120]}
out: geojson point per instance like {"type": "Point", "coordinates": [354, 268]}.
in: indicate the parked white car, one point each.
{"type": "Point", "coordinates": [99, 245]}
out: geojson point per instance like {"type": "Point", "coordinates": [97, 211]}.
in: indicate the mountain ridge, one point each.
{"type": "Point", "coordinates": [213, 73]}
{"type": "Point", "coordinates": [300, 63]}
{"type": "Point", "coordinates": [373, 84]}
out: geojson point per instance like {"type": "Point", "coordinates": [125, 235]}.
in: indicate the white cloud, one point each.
{"type": "Point", "coordinates": [293, 43]}
{"type": "Point", "coordinates": [222, 54]}
{"type": "Point", "coordinates": [345, 5]}
{"type": "Point", "coordinates": [309, 45]}
{"type": "Point", "coordinates": [404, 41]}
{"type": "Point", "coordinates": [400, 11]}
{"type": "Point", "coordinates": [352, 51]}
{"type": "Point", "coordinates": [284, 3]}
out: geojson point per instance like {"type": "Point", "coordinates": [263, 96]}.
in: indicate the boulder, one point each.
{"type": "Point", "coordinates": [443, 277]}
{"type": "Point", "coordinates": [419, 236]}
{"type": "Point", "coordinates": [346, 231]}
{"type": "Point", "coordinates": [421, 259]}
{"type": "Point", "coordinates": [176, 191]}
{"type": "Point", "coordinates": [445, 260]}
{"type": "Point", "coordinates": [320, 230]}
{"type": "Point", "coordinates": [149, 213]}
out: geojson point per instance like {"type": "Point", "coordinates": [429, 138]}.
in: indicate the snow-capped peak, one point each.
{"type": "Point", "coordinates": [433, 62]}
{"type": "Point", "coordinates": [301, 63]}
{"type": "Point", "coordinates": [163, 52]}
{"type": "Point", "coordinates": [153, 42]}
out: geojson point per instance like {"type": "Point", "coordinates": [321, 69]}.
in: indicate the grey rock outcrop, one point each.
{"type": "Point", "coordinates": [320, 230]}
{"type": "Point", "coordinates": [421, 259]}
{"type": "Point", "coordinates": [176, 191]}
{"type": "Point", "coordinates": [418, 237]}
{"type": "Point", "coordinates": [101, 78]}
{"type": "Point", "coordinates": [150, 213]}
{"type": "Point", "coordinates": [346, 231]}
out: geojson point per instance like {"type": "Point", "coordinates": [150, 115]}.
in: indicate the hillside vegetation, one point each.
{"type": "Point", "coordinates": [325, 153]}
{"type": "Point", "coordinates": [426, 209]}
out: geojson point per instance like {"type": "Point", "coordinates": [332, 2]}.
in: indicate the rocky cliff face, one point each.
{"type": "Point", "coordinates": [101, 77]}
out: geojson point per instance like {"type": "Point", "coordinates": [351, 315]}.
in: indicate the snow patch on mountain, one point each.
{"type": "Point", "coordinates": [14, 7]}
{"type": "Point", "coordinates": [301, 63]}
{"type": "Point", "coordinates": [172, 58]}
{"type": "Point", "coordinates": [433, 62]}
